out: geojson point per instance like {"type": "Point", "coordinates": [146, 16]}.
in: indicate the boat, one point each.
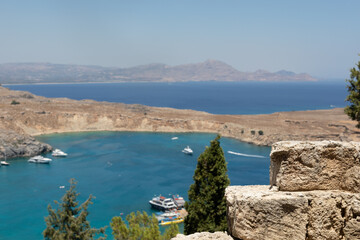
{"type": "Point", "coordinates": [58, 153]}
{"type": "Point", "coordinates": [162, 203]}
{"type": "Point", "coordinates": [171, 221]}
{"type": "Point", "coordinates": [39, 159]}
{"type": "Point", "coordinates": [178, 200]}
{"type": "Point", "coordinates": [4, 163]}
{"type": "Point", "coordinates": [188, 150]}
{"type": "Point", "coordinates": [174, 138]}
{"type": "Point", "coordinates": [167, 215]}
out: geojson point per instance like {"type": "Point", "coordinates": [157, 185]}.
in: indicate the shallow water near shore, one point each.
{"type": "Point", "coordinates": [123, 170]}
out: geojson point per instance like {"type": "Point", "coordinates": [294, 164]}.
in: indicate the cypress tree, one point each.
{"type": "Point", "coordinates": [207, 206]}
{"type": "Point", "coordinates": [353, 111]}
{"type": "Point", "coordinates": [68, 221]}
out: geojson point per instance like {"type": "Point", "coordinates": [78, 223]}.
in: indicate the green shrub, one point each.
{"type": "Point", "coordinates": [252, 132]}
{"type": "Point", "coordinates": [261, 132]}
{"type": "Point", "coordinates": [14, 102]}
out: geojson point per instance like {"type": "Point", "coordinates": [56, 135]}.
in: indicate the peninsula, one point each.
{"type": "Point", "coordinates": [210, 70]}
{"type": "Point", "coordinates": [24, 115]}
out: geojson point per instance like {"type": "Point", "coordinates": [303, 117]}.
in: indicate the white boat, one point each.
{"type": "Point", "coordinates": [162, 203]}
{"type": "Point", "coordinates": [167, 215]}
{"type": "Point", "coordinates": [58, 153]}
{"type": "Point", "coordinates": [174, 138]}
{"type": "Point", "coordinates": [188, 150]}
{"type": "Point", "coordinates": [5, 163]}
{"type": "Point", "coordinates": [39, 159]}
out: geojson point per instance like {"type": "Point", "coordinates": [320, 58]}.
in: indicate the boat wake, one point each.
{"type": "Point", "coordinates": [245, 155]}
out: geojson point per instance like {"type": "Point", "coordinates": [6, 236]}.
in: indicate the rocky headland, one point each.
{"type": "Point", "coordinates": [26, 115]}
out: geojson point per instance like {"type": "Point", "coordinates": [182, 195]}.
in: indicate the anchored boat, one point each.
{"type": "Point", "coordinates": [188, 150]}
{"type": "Point", "coordinates": [162, 203]}
{"type": "Point", "coordinates": [58, 153]}
{"type": "Point", "coordinates": [39, 159]}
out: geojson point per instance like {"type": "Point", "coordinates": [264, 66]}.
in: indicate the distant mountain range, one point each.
{"type": "Point", "coordinates": [210, 70]}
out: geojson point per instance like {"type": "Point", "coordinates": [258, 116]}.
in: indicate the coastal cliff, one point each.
{"type": "Point", "coordinates": [31, 115]}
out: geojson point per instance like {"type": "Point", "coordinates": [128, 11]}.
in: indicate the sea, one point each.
{"type": "Point", "coordinates": [124, 170]}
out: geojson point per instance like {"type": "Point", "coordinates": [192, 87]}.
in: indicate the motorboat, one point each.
{"type": "Point", "coordinates": [174, 138]}
{"type": "Point", "coordinates": [188, 150]}
{"type": "Point", "coordinates": [39, 159]}
{"type": "Point", "coordinates": [178, 200]}
{"type": "Point", "coordinates": [162, 203]}
{"type": "Point", "coordinates": [58, 153]}
{"type": "Point", "coordinates": [167, 215]}
{"type": "Point", "coordinates": [4, 163]}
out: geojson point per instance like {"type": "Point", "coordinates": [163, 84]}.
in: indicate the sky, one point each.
{"type": "Point", "coordinates": [319, 37]}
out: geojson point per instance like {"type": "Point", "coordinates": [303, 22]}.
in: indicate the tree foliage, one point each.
{"type": "Point", "coordinates": [206, 206]}
{"type": "Point", "coordinates": [69, 221]}
{"type": "Point", "coordinates": [171, 232]}
{"type": "Point", "coordinates": [140, 226]}
{"type": "Point", "coordinates": [353, 111]}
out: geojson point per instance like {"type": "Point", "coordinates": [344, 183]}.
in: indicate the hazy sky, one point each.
{"type": "Point", "coordinates": [320, 37]}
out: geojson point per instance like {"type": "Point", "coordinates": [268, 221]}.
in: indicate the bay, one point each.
{"type": "Point", "coordinates": [123, 170]}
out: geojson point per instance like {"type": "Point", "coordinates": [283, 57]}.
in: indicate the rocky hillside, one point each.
{"type": "Point", "coordinates": [210, 70]}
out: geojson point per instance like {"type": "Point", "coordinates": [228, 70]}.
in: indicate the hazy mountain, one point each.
{"type": "Point", "coordinates": [210, 70]}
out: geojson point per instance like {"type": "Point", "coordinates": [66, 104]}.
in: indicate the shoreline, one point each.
{"type": "Point", "coordinates": [35, 115]}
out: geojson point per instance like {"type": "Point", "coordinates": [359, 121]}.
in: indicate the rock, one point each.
{"type": "Point", "coordinates": [20, 145]}
{"type": "Point", "coordinates": [204, 236]}
{"type": "Point", "coordinates": [255, 212]}
{"type": "Point", "coordinates": [325, 165]}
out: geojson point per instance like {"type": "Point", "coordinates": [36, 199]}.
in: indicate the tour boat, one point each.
{"type": "Point", "coordinates": [39, 159]}
{"type": "Point", "coordinates": [162, 203]}
{"type": "Point", "coordinates": [58, 153]}
{"type": "Point", "coordinates": [188, 150]}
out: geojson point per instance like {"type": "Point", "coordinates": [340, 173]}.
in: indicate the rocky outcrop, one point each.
{"type": "Point", "coordinates": [256, 212]}
{"type": "Point", "coordinates": [204, 236]}
{"type": "Point", "coordinates": [314, 194]}
{"type": "Point", "coordinates": [305, 166]}
{"type": "Point", "coordinates": [20, 145]}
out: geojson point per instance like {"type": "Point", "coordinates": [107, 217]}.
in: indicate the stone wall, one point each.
{"type": "Point", "coordinates": [305, 166]}
{"type": "Point", "coordinates": [314, 194]}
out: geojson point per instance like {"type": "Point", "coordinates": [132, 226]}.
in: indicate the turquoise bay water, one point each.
{"type": "Point", "coordinates": [123, 170]}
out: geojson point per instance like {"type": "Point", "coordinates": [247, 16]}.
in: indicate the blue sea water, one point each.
{"type": "Point", "coordinates": [123, 169]}
{"type": "Point", "coordinates": [212, 97]}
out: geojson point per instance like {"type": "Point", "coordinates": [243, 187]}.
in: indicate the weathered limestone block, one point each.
{"type": "Point", "coordinates": [325, 165]}
{"type": "Point", "coordinates": [204, 236]}
{"type": "Point", "coordinates": [255, 212]}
